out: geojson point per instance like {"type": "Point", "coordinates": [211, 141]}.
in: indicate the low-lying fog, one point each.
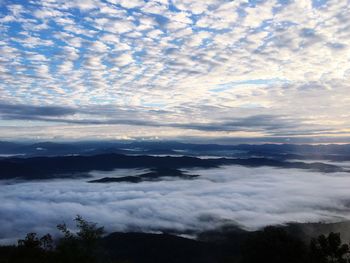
{"type": "Point", "coordinates": [250, 197]}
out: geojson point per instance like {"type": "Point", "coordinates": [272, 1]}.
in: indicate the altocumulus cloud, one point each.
{"type": "Point", "coordinates": [249, 197]}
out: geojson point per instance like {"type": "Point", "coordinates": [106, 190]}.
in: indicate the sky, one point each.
{"type": "Point", "coordinates": [273, 70]}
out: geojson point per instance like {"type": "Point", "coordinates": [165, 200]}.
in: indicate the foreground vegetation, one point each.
{"type": "Point", "coordinates": [88, 245]}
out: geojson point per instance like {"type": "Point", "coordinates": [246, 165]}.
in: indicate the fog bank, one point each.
{"type": "Point", "coordinates": [249, 197]}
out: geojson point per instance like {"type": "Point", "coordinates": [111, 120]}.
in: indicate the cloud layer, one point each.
{"type": "Point", "coordinates": [249, 197]}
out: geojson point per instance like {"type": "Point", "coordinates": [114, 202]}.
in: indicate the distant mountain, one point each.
{"type": "Point", "coordinates": [8, 147]}
{"type": "Point", "coordinates": [154, 174]}
{"type": "Point", "coordinates": [73, 166]}
{"type": "Point", "coordinates": [277, 151]}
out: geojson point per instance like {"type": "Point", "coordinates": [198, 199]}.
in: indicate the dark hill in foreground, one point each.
{"type": "Point", "coordinates": [156, 248]}
{"type": "Point", "coordinates": [288, 244]}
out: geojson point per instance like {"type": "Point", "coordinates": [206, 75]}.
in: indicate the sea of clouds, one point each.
{"type": "Point", "coordinates": [249, 197]}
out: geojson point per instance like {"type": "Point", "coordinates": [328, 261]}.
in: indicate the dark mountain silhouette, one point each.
{"type": "Point", "coordinates": [154, 174]}
{"type": "Point", "coordinates": [273, 244]}
{"type": "Point", "coordinates": [129, 179]}
{"type": "Point", "coordinates": [331, 152]}
{"type": "Point", "coordinates": [158, 248]}
{"type": "Point", "coordinates": [74, 166]}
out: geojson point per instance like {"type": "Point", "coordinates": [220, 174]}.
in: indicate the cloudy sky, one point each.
{"type": "Point", "coordinates": [122, 69]}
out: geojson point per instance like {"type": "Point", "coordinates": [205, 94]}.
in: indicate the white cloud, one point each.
{"type": "Point", "coordinates": [123, 60]}
{"type": "Point", "coordinates": [195, 7]}
{"type": "Point", "coordinates": [257, 15]}
{"type": "Point", "coordinates": [250, 197]}
{"type": "Point", "coordinates": [66, 67]}
{"type": "Point", "coordinates": [128, 3]}
{"type": "Point", "coordinates": [85, 5]}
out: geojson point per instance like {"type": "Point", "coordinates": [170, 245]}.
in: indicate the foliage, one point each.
{"type": "Point", "coordinates": [31, 241]}
{"type": "Point", "coordinates": [329, 249]}
{"type": "Point", "coordinates": [273, 245]}
{"type": "Point", "coordinates": [82, 246]}
{"type": "Point", "coordinates": [87, 245]}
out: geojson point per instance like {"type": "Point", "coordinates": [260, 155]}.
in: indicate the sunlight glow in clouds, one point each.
{"type": "Point", "coordinates": [130, 68]}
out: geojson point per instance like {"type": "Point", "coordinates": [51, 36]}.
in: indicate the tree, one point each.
{"type": "Point", "coordinates": [329, 249]}
{"type": "Point", "coordinates": [273, 245]}
{"type": "Point", "coordinates": [81, 246]}
{"type": "Point", "coordinates": [33, 249]}
{"type": "Point", "coordinates": [31, 241]}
